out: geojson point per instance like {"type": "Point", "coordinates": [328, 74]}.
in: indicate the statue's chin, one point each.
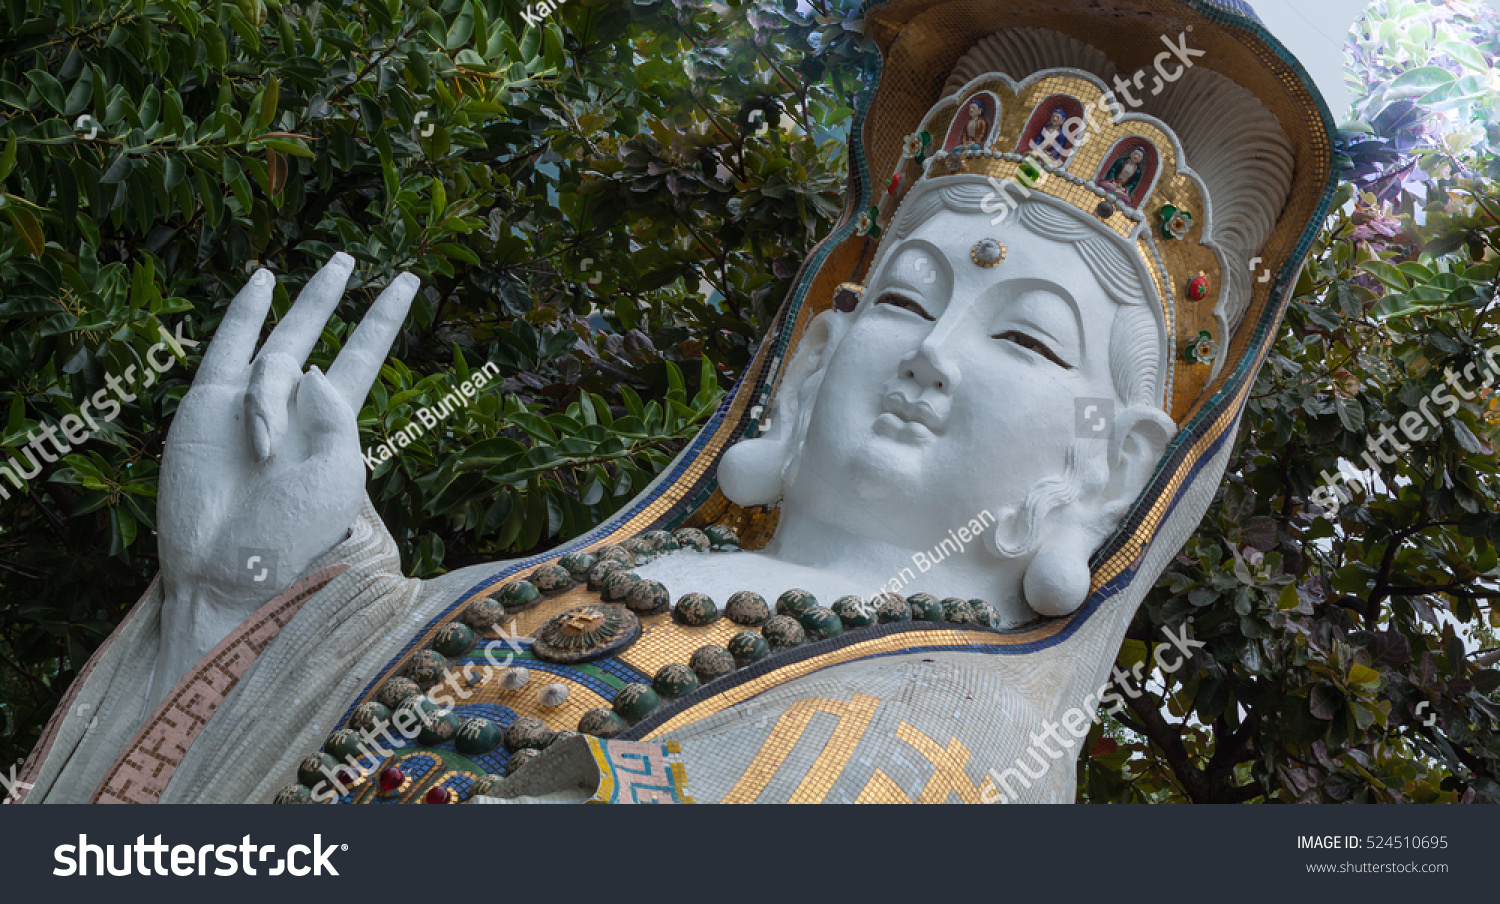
{"type": "Point", "coordinates": [883, 469]}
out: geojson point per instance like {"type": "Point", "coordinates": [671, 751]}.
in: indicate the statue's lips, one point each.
{"type": "Point", "coordinates": [919, 412]}
{"type": "Point", "coordinates": [913, 423]}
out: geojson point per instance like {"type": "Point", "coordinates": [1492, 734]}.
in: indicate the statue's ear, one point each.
{"type": "Point", "coordinates": [755, 471]}
{"type": "Point", "coordinates": [1136, 444]}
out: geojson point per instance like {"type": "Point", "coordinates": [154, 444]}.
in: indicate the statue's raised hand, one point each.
{"type": "Point", "coordinates": [263, 459]}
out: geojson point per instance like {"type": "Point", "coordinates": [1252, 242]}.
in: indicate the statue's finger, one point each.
{"type": "Point", "coordinates": [234, 341]}
{"type": "Point", "coordinates": [273, 380]}
{"type": "Point", "coordinates": [359, 361]}
{"type": "Point", "coordinates": [330, 423]}
{"type": "Point", "coordinates": [299, 330]}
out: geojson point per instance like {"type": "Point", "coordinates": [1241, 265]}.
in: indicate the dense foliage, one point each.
{"type": "Point", "coordinates": [1349, 645]}
{"type": "Point", "coordinates": [607, 204]}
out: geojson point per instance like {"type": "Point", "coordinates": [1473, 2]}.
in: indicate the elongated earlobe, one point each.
{"type": "Point", "coordinates": [1058, 578]}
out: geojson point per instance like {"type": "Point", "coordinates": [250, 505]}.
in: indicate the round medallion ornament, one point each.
{"type": "Point", "coordinates": [854, 612]}
{"type": "Point", "coordinates": [783, 632]}
{"type": "Point", "coordinates": [953, 161]}
{"type": "Point", "coordinates": [619, 584]}
{"type": "Point", "coordinates": [316, 768]}
{"type": "Point", "coordinates": [426, 667]}
{"type": "Point", "coordinates": [453, 639]}
{"type": "Point", "coordinates": [891, 608]}
{"type": "Point", "coordinates": [369, 716]}
{"type": "Point", "coordinates": [519, 759]}
{"type": "Point", "coordinates": [601, 723]}
{"type": "Point", "coordinates": [639, 547]}
{"type": "Point", "coordinates": [795, 602]}
{"type": "Point", "coordinates": [554, 694]}
{"type": "Point", "coordinates": [747, 608]}
{"type": "Point", "coordinates": [585, 633]}
{"type": "Point", "coordinates": [674, 680]}
{"type": "Point", "coordinates": [343, 745]}
{"type": "Point", "coordinates": [820, 623]}
{"type": "Point", "coordinates": [648, 597]}
{"type": "Point", "coordinates": [527, 732]}
{"type": "Point", "coordinates": [483, 613]}
{"type": "Point", "coordinates": [294, 794]}
{"type": "Point", "coordinates": [925, 607]}
{"type": "Point", "coordinates": [477, 736]}
{"type": "Point", "coordinates": [517, 594]}
{"type": "Point", "coordinates": [711, 662]}
{"type": "Point", "coordinates": [957, 611]}
{"type": "Point", "coordinates": [578, 564]}
{"type": "Point", "coordinates": [987, 252]}
{"type": "Point", "coordinates": [696, 610]}
{"type": "Point", "coordinates": [747, 647]}
{"type": "Point", "coordinates": [550, 578]}
{"type": "Point", "coordinates": [692, 538]}
{"type": "Point", "coordinates": [396, 691]}
{"type": "Point", "coordinates": [634, 702]}
{"type": "Point", "coordinates": [514, 678]}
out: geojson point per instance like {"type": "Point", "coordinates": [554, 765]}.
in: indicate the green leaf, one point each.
{"type": "Point", "coordinates": [49, 88]}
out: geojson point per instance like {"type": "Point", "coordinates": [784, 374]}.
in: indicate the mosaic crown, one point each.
{"type": "Point", "coordinates": [1062, 133]}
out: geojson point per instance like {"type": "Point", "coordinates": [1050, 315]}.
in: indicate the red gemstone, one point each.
{"type": "Point", "coordinates": [439, 796]}
{"type": "Point", "coordinates": [895, 184]}
{"type": "Point", "coordinates": [348, 777]}
{"type": "Point", "coordinates": [391, 778]}
{"type": "Point", "coordinates": [1198, 288]}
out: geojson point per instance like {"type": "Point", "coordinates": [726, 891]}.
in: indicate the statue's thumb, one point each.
{"type": "Point", "coordinates": [325, 416]}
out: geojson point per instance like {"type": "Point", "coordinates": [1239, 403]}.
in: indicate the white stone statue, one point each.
{"type": "Point", "coordinates": [950, 401]}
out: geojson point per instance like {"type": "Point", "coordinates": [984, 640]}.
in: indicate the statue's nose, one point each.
{"type": "Point", "coordinates": [930, 369]}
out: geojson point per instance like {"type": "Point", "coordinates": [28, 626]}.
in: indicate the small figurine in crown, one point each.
{"type": "Point", "coordinates": [1052, 140]}
{"type": "Point", "coordinates": [1124, 175]}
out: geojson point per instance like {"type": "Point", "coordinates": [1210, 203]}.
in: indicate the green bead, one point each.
{"type": "Point", "coordinates": [925, 607]}
{"type": "Point", "coordinates": [311, 770]}
{"type": "Point", "coordinates": [294, 794]}
{"type": "Point", "coordinates": [578, 564]}
{"type": "Point", "coordinates": [483, 613]}
{"type": "Point", "coordinates": [748, 609]}
{"type": "Point", "coordinates": [619, 584]}
{"type": "Point", "coordinates": [439, 728]}
{"type": "Point", "coordinates": [783, 632]}
{"type": "Point", "coordinates": [635, 702]}
{"type": "Point", "coordinates": [551, 578]}
{"type": "Point", "coordinates": [891, 608]}
{"type": "Point", "coordinates": [527, 732]}
{"type": "Point", "coordinates": [639, 548]}
{"type": "Point", "coordinates": [984, 614]}
{"type": "Point", "coordinates": [820, 623]}
{"type": "Point", "coordinates": [601, 723]}
{"type": "Point", "coordinates": [344, 745]}
{"type": "Point", "coordinates": [426, 667]}
{"type": "Point", "coordinates": [674, 680]}
{"type": "Point", "coordinates": [518, 593]}
{"type": "Point", "coordinates": [692, 538]}
{"type": "Point", "coordinates": [795, 602]}
{"type": "Point", "coordinates": [477, 736]}
{"type": "Point", "coordinates": [614, 554]}
{"type": "Point", "coordinates": [370, 716]}
{"type": "Point", "coordinates": [396, 691]}
{"type": "Point", "coordinates": [601, 572]}
{"type": "Point", "coordinates": [957, 611]}
{"type": "Point", "coordinates": [711, 662]}
{"type": "Point", "coordinates": [748, 647]}
{"type": "Point", "coordinates": [454, 639]}
{"type": "Point", "coordinates": [648, 597]}
{"type": "Point", "coordinates": [854, 612]}
{"type": "Point", "coordinates": [696, 610]}
{"type": "Point", "coordinates": [660, 540]}
{"type": "Point", "coordinates": [722, 536]}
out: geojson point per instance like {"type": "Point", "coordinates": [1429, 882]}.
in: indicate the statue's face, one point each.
{"type": "Point", "coordinates": [973, 110]}
{"type": "Point", "coordinates": [1055, 121]}
{"type": "Point", "coordinates": [1137, 155]}
{"type": "Point", "coordinates": [924, 420]}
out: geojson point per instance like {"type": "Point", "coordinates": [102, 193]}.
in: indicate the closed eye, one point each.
{"type": "Point", "coordinates": [1031, 343]}
{"type": "Point", "coordinates": [901, 301]}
